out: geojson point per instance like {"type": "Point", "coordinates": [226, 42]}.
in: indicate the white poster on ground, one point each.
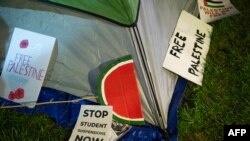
{"type": "Point", "coordinates": [25, 66]}
{"type": "Point", "coordinates": [212, 10]}
{"type": "Point", "coordinates": [93, 124]}
{"type": "Point", "coordinates": [188, 48]}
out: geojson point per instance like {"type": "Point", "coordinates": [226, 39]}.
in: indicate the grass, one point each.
{"type": "Point", "coordinates": [224, 98]}
{"type": "Point", "coordinates": [23, 127]}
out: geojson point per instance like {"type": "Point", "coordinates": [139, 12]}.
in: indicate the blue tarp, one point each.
{"type": "Point", "coordinates": [65, 114]}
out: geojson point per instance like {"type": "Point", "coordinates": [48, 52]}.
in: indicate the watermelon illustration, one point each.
{"type": "Point", "coordinates": [17, 94]}
{"type": "Point", "coordinates": [117, 87]}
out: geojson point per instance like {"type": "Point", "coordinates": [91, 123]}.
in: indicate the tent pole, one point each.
{"type": "Point", "coordinates": [148, 77]}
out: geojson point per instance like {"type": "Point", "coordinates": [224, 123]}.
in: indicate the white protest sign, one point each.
{"type": "Point", "coordinates": [112, 136]}
{"type": "Point", "coordinates": [25, 66]}
{"type": "Point", "coordinates": [93, 123]}
{"type": "Point", "coordinates": [212, 10]}
{"type": "Point", "coordinates": [188, 48]}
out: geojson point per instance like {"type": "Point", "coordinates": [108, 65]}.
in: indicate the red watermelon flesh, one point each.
{"type": "Point", "coordinates": [119, 89]}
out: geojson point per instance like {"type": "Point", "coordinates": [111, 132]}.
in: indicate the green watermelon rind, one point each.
{"type": "Point", "coordinates": [139, 121]}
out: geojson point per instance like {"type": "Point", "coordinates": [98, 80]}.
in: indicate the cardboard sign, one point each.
{"type": "Point", "coordinates": [212, 10]}
{"type": "Point", "coordinates": [94, 123]}
{"type": "Point", "coordinates": [188, 48]}
{"type": "Point", "coordinates": [25, 66]}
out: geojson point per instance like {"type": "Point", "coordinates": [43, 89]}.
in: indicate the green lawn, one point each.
{"type": "Point", "coordinates": [24, 127]}
{"type": "Point", "coordinates": [224, 98]}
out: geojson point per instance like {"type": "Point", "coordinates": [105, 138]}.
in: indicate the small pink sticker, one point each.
{"type": "Point", "coordinates": [24, 43]}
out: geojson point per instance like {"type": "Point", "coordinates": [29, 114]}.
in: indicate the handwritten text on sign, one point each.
{"type": "Point", "coordinates": [94, 123]}
{"type": "Point", "coordinates": [25, 66]}
{"type": "Point", "coordinates": [21, 65]}
{"type": "Point", "coordinates": [188, 48]}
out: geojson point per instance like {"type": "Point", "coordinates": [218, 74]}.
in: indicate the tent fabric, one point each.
{"type": "Point", "coordinates": [66, 114]}
{"type": "Point", "coordinates": [85, 44]}
{"type": "Point", "coordinates": [156, 23]}
{"type": "Point", "coordinates": [91, 42]}
{"type": "Point", "coordinates": [123, 12]}
{"type": "Point", "coordinates": [173, 108]}
{"type": "Point", "coordinates": [78, 39]}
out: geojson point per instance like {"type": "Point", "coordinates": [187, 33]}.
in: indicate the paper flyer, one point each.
{"type": "Point", "coordinates": [25, 66]}
{"type": "Point", "coordinates": [118, 130]}
{"type": "Point", "coordinates": [212, 10]}
{"type": "Point", "coordinates": [93, 123]}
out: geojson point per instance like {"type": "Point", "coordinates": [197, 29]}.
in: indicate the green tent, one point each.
{"type": "Point", "coordinates": [91, 33]}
